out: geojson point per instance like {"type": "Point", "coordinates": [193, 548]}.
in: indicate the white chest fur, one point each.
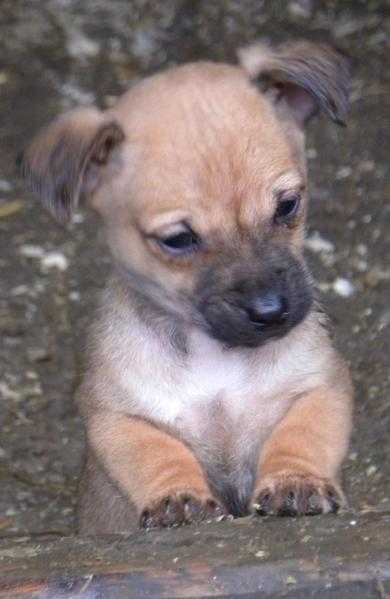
{"type": "Point", "coordinates": [212, 382]}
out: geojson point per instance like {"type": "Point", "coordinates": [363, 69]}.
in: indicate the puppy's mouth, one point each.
{"type": "Point", "coordinates": [252, 325]}
{"type": "Point", "coordinates": [250, 310]}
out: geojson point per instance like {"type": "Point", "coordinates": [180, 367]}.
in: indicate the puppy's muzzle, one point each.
{"type": "Point", "coordinates": [251, 320]}
{"type": "Point", "coordinates": [247, 320]}
{"type": "Point", "coordinates": [249, 302]}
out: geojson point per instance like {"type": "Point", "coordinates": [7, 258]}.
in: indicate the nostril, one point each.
{"type": "Point", "coordinates": [255, 318]}
{"type": "Point", "coordinates": [268, 309]}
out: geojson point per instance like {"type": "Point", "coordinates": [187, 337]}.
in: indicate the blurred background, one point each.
{"type": "Point", "coordinates": [55, 54]}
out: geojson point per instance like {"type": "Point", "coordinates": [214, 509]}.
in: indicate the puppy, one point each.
{"type": "Point", "coordinates": [211, 385]}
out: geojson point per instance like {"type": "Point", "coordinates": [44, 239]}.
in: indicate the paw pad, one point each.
{"type": "Point", "coordinates": [180, 509]}
{"type": "Point", "coordinates": [296, 495]}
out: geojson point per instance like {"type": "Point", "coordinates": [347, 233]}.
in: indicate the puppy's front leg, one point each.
{"type": "Point", "coordinates": [298, 465]}
{"type": "Point", "coordinates": [156, 471]}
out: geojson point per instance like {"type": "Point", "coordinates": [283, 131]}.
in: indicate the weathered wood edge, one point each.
{"type": "Point", "coordinates": [268, 559]}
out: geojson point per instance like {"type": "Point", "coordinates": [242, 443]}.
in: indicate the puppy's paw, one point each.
{"type": "Point", "coordinates": [181, 508]}
{"type": "Point", "coordinates": [290, 494]}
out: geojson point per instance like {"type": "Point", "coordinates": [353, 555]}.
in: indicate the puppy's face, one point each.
{"type": "Point", "coordinates": [201, 184]}
{"type": "Point", "coordinates": [209, 217]}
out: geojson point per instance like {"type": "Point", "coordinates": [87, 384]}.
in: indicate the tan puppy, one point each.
{"type": "Point", "coordinates": [212, 386]}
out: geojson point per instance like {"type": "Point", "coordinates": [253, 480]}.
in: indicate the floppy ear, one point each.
{"type": "Point", "coordinates": [66, 158]}
{"type": "Point", "coordinates": [307, 76]}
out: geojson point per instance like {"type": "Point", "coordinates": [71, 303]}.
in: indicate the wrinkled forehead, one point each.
{"type": "Point", "coordinates": [208, 142]}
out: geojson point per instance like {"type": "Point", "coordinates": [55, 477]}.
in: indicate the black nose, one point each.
{"type": "Point", "coordinates": [268, 309]}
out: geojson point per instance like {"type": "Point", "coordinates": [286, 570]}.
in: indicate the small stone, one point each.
{"type": "Point", "coordinates": [80, 45]}
{"type": "Point", "coordinates": [343, 287]}
{"type": "Point", "coordinates": [300, 9]}
{"type": "Point", "coordinates": [378, 38]}
{"type": "Point", "coordinates": [311, 154]}
{"type": "Point", "coordinates": [78, 218]}
{"type": "Point", "coordinates": [371, 470]}
{"type": "Point", "coordinates": [7, 393]}
{"type": "Point", "coordinates": [19, 290]}
{"type": "Point", "coordinates": [323, 287]}
{"type": "Point", "coordinates": [290, 580]}
{"type": "Point", "coordinates": [373, 391]}
{"type": "Point", "coordinates": [372, 279]}
{"type": "Point", "coordinates": [39, 286]}
{"type": "Point", "coordinates": [10, 208]}
{"type": "Point", "coordinates": [317, 243]}
{"type": "Point", "coordinates": [328, 259]}
{"type": "Point", "coordinates": [366, 166]}
{"type": "Point", "coordinates": [384, 320]}
{"type": "Point", "coordinates": [361, 265]}
{"type": "Point", "coordinates": [346, 26]}
{"type": "Point", "coordinates": [33, 390]}
{"type": "Point", "coordinates": [343, 172]}
{"type": "Point", "coordinates": [76, 94]}
{"type": "Point", "coordinates": [375, 276]}
{"type": "Point", "coordinates": [261, 554]}
{"type": "Point", "coordinates": [55, 260]}
{"type": "Point", "coordinates": [31, 375]}
{"type": "Point", "coordinates": [5, 185]}
{"type": "Point", "coordinates": [31, 251]}
{"type": "Point", "coordinates": [143, 43]}
{"type": "Point", "coordinates": [38, 354]}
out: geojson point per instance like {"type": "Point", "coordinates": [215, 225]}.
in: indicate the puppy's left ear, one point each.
{"type": "Point", "coordinates": [70, 158]}
{"type": "Point", "coordinates": [308, 77]}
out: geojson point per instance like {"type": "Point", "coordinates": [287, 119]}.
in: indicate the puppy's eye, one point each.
{"type": "Point", "coordinates": [287, 208]}
{"type": "Point", "coordinates": [182, 243]}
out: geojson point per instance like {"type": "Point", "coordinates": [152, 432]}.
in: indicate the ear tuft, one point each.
{"type": "Point", "coordinates": [308, 76]}
{"type": "Point", "coordinates": [57, 162]}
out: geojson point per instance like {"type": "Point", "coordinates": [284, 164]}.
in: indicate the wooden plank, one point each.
{"type": "Point", "coordinates": [244, 558]}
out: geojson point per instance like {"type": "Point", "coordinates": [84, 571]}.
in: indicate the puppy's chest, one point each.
{"type": "Point", "coordinates": [209, 392]}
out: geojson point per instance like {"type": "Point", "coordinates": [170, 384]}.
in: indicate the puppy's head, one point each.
{"type": "Point", "coordinates": [199, 175]}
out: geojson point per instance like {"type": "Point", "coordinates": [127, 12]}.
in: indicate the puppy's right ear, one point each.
{"type": "Point", "coordinates": [68, 157]}
{"type": "Point", "coordinates": [305, 76]}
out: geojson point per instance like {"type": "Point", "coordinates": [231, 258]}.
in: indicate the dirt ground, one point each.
{"type": "Point", "coordinates": [55, 54]}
